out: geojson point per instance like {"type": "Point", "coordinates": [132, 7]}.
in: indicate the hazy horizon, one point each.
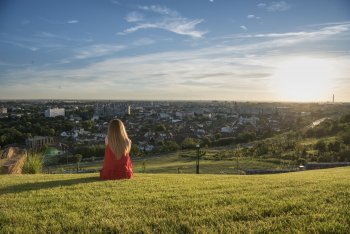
{"type": "Point", "coordinates": [257, 51]}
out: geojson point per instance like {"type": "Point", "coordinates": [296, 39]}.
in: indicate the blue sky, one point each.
{"type": "Point", "coordinates": [292, 50]}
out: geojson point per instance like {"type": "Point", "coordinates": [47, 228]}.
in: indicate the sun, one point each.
{"type": "Point", "coordinates": [304, 79]}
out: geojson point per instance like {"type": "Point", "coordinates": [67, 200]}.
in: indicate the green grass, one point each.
{"type": "Point", "coordinates": [304, 202]}
{"type": "Point", "coordinates": [313, 141]}
{"type": "Point", "coordinates": [171, 163]}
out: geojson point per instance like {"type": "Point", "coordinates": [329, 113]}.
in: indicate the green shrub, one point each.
{"type": "Point", "coordinates": [33, 165]}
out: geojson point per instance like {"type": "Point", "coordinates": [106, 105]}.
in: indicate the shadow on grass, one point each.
{"type": "Point", "coordinates": [18, 188]}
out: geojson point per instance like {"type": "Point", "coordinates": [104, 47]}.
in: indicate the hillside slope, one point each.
{"type": "Point", "coordinates": [310, 201]}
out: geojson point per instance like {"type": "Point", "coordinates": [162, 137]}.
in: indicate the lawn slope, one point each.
{"type": "Point", "coordinates": [307, 202]}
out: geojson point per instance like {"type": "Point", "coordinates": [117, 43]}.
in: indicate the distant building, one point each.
{"type": "Point", "coordinates": [3, 110]}
{"type": "Point", "coordinates": [207, 115]}
{"type": "Point", "coordinates": [226, 129]}
{"type": "Point", "coordinates": [179, 114]}
{"type": "Point", "coordinates": [164, 115]}
{"type": "Point", "coordinates": [37, 142]}
{"type": "Point", "coordinates": [252, 120]}
{"type": "Point", "coordinates": [95, 117]}
{"type": "Point", "coordinates": [129, 110]}
{"type": "Point", "coordinates": [54, 112]}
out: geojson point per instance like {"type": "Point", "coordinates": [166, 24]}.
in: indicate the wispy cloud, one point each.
{"type": "Point", "coordinates": [241, 71]}
{"type": "Point", "coordinates": [166, 19]}
{"type": "Point", "coordinates": [97, 51]}
{"type": "Point", "coordinates": [160, 10]}
{"type": "Point", "coordinates": [72, 21]}
{"type": "Point", "coordinates": [275, 6]}
{"type": "Point", "coordinates": [324, 31]}
{"type": "Point", "coordinates": [21, 45]}
{"type": "Point", "coordinates": [48, 35]}
{"type": "Point", "coordinates": [134, 16]}
{"type": "Point", "coordinates": [253, 17]}
{"type": "Point", "coordinates": [243, 27]}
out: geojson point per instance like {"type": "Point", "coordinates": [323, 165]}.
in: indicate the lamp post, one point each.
{"type": "Point", "coordinates": [197, 163]}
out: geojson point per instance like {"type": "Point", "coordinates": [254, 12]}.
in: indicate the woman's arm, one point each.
{"type": "Point", "coordinates": [106, 140]}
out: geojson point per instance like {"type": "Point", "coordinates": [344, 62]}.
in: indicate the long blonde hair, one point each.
{"type": "Point", "coordinates": [118, 139]}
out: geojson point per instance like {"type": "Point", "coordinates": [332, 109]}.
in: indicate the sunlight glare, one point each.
{"type": "Point", "coordinates": [305, 79]}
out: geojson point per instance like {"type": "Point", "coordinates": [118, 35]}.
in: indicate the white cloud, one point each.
{"type": "Point", "coordinates": [325, 31]}
{"type": "Point", "coordinates": [166, 19]}
{"type": "Point", "coordinates": [134, 16]}
{"type": "Point", "coordinates": [243, 27]}
{"type": "Point", "coordinates": [225, 71]}
{"type": "Point", "coordinates": [97, 51]}
{"type": "Point", "coordinates": [253, 17]}
{"type": "Point", "coordinates": [275, 6]}
{"type": "Point", "coordinates": [72, 21]}
{"type": "Point", "coordinates": [160, 10]}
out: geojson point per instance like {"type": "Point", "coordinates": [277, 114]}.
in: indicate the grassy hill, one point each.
{"type": "Point", "coordinates": [185, 162]}
{"type": "Point", "coordinates": [308, 202]}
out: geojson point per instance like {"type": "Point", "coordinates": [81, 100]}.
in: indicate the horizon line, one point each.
{"type": "Point", "coordinates": [173, 100]}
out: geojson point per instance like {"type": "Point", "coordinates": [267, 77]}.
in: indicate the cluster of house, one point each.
{"type": "Point", "coordinates": [180, 120]}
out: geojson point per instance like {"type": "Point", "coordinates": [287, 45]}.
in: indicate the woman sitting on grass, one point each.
{"type": "Point", "coordinates": [116, 163]}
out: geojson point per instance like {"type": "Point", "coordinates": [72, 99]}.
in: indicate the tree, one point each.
{"type": "Point", "coordinates": [135, 150]}
{"type": "Point", "coordinates": [217, 136]}
{"type": "Point", "coordinates": [78, 158]}
{"type": "Point", "coordinates": [44, 148]}
{"type": "Point", "coordinates": [246, 137]}
{"type": "Point", "coordinates": [189, 143]}
{"type": "Point", "coordinates": [206, 142]}
{"type": "Point", "coordinates": [346, 137]}
{"type": "Point", "coordinates": [301, 161]}
{"type": "Point", "coordinates": [344, 156]}
{"type": "Point", "coordinates": [261, 149]}
{"type": "Point", "coordinates": [321, 146]}
{"type": "Point", "coordinates": [334, 146]}
{"type": "Point", "coordinates": [160, 128]}
{"type": "Point", "coordinates": [304, 153]}
{"type": "Point", "coordinates": [170, 146]}
{"type": "Point", "coordinates": [237, 154]}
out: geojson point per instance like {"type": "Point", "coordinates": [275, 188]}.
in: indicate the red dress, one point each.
{"type": "Point", "coordinates": [115, 169]}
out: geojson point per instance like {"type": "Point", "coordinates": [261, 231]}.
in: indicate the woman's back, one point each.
{"type": "Point", "coordinates": [114, 168]}
{"type": "Point", "coordinates": [117, 163]}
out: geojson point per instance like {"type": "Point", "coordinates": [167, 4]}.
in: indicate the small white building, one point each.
{"type": "Point", "coordinates": [164, 115]}
{"type": "Point", "coordinates": [251, 120]}
{"type": "Point", "coordinates": [207, 115]}
{"type": "Point", "coordinates": [54, 112]}
{"type": "Point", "coordinates": [179, 114]}
{"type": "Point", "coordinates": [3, 110]}
{"type": "Point", "coordinates": [226, 129]}
{"type": "Point", "coordinates": [95, 117]}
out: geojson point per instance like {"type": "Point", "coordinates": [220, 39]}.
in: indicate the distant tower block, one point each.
{"type": "Point", "coordinates": [333, 98]}
{"type": "Point", "coordinates": [129, 110]}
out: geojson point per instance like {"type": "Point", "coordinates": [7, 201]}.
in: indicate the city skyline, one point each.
{"type": "Point", "coordinates": [175, 50]}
